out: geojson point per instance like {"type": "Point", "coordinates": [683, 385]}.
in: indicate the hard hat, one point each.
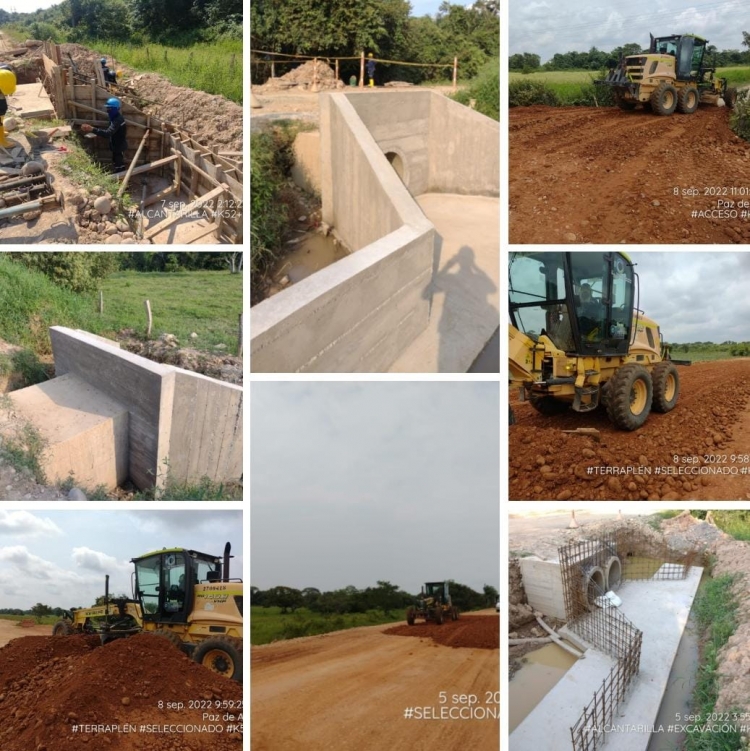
{"type": "Point", "coordinates": [103, 60]}
{"type": "Point", "coordinates": [369, 54]}
{"type": "Point", "coordinates": [5, 66]}
{"type": "Point", "coordinates": [113, 103]}
{"type": "Point", "coordinates": [119, 74]}
{"type": "Point", "coordinates": [7, 82]}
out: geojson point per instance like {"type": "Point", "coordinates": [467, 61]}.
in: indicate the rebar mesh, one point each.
{"type": "Point", "coordinates": [585, 566]}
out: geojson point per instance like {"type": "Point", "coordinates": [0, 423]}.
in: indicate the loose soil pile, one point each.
{"type": "Point", "coordinates": [66, 682]}
{"type": "Point", "coordinates": [547, 464]}
{"type": "Point", "coordinates": [303, 77]}
{"type": "Point", "coordinates": [586, 175]}
{"type": "Point", "coordinates": [472, 632]}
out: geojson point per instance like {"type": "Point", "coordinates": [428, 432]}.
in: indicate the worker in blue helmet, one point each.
{"type": "Point", "coordinates": [116, 132]}
{"type": "Point", "coordinates": [110, 76]}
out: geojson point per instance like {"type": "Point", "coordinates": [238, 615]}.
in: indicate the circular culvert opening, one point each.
{"type": "Point", "coordinates": [593, 585]}
{"type": "Point", "coordinates": [613, 570]}
{"type": "Point", "coordinates": [396, 162]}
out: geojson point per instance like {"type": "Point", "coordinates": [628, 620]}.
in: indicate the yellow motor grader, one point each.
{"type": "Point", "coordinates": [671, 75]}
{"type": "Point", "coordinates": [433, 604]}
{"type": "Point", "coordinates": [182, 595]}
{"type": "Point", "coordinates": [578, 340]}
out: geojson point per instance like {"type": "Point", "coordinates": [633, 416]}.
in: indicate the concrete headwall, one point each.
{"type": "Point", "coordinates": [358, 314]}
{"type": "Point", "coordinates": [178, 421]}
{"type": "Point", "coordinates": [206, 436]}
{"type": "Point", "coordinates": [144, 388]}
{"type": "Point", "coordinates": [542, 581]}
{"type": "Point", "coordinates": [464, 149]}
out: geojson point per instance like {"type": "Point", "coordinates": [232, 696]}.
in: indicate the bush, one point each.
{"type": "Point", "coordinates": [485, 90]}
{"type": "Point", "coordinates": [78, 272]}
{"type": "Point", "coordinates": [527, 93]}
{"type": "Point", "coordinates": [739, 120]}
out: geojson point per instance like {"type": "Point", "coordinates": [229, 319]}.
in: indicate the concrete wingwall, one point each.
{"type": "Point", "coordinates": [179, 422]}
{"type": "Point", "coordinates": [358, 314]}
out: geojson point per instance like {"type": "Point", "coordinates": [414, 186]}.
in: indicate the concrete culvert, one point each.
{"type": "Point", "coordinates": [396, 162]}
{"type": "Point", "coordinates": [613, 571]}
{"type": "Point", "coordinates": [594, 585]}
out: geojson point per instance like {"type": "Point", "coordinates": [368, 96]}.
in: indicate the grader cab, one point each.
{"type": "Point", "coordinates": [433, 604]}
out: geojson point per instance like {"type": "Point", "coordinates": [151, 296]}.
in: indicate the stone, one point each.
{"type": "Point", "coordinates": [11, 124]}
{"type": "Point", "coordinates": [97, 190]}
{"type": "Point", "coordinates": [220, 346]}
{"type": "Point", "coordinates": [76, 494]}
{"type": "Point", "coordinates": [122, 226]}
{"type": "Point", "coordinates": [113, 240]}
{"type": "Point", "coordinates": [32, 168]}
{"type": "Point", "coordinates": [193, 336]}
{"type": "Point", "coordinates": [128, 241]}
{"type": "Point", "coordinates": [103, 205]}
{"type": "Point", "coordinates": [30, 216]}
{"type": "Point", "coordinates": [112, 230]}
{"type": "Point", "coordinates": [655, 203]}
{"type": "Point", "coordinates": [125, 701]}
{"type": "Point", "coordinates": [127, 235]}
{"type": "Point", "coordinates": [569, 237]}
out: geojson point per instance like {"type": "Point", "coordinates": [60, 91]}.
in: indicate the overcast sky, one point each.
{"type": "Point", "coordinates": [549, 26]}
{"type": "Point", "coordinates": [26, 6]}
{"type": "Point", "coordinates": [60, 558]}
{"type": "Point", "coordinates": [354, 482]}
{"type": "Point", "coordinates": [696, 297]}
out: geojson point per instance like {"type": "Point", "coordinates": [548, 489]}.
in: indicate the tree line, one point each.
{"type": "Point", "coordinates": [596, 59]}
{"type": "Point", "coordinates": [386, 597]}
{"type": "Point", "coordinates": [131, 20]}
{"type": "Point", "coordinates": [384, 27]}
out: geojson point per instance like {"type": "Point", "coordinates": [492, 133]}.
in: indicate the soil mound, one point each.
{"type": "Point", "coordinates": [473, 632]}
{"type": "Point", "coordinates": [303, 76]}
{"type": "Point", "coordinates": [120, 684]}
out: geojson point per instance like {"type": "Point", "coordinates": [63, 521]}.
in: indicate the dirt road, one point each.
{"type": "Point", "coordinates": [587, 175]}
{"type": "Point", "coordinates": [9, 631]}
{"type": "Point", "coordinates": [349, 690]}
{"type": "Point", "coordinates": [708, 426]}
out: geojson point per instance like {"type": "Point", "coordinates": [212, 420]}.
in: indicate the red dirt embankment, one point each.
{"type": "Point", "coordinates": [587, 175]}
{"type": "Point", "coordinates": [547, 464]}
{"type": "Point", "coordinates": [54, 690]}
{"type": "Point", "coordinates": [477, 632]}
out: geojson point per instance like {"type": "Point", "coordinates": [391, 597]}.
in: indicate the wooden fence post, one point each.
{"type": "Point", "coordinates": [150, 320]}
{"type": "Point", "coordinates": [455, 73]}
{"type": "Point", "coordinates": [273, 69]}
{"type": "Point", "coordinates": [337, 69]}
{"type": "Point", "coordinates": [362, 70]}
{"type": "Point", "coordinates": [239, 339]}
{"type": "Point", "coordinates": [101, 302]}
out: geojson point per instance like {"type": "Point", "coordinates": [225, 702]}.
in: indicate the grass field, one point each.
{"type": "Point", "coordinates": [268, 624]}
{"type": "Point", "coordinates": [44, 620]}
{"type": "Point", "coordinates": [215, 67]}
{"type": "Point", "coordinates": [205, 302]}
{"type": "Point", "coordinates": [567, 83]}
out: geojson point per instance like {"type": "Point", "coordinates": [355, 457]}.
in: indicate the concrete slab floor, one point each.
{"type": "Point", "coordinates": [658, 608]}
{"type": "Point", "coordinates": [465, 309]}
{"type": "Point", "coordinates": [30, 100]}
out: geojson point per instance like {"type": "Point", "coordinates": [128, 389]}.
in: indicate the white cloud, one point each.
{"type": "Point", "coordinates": [34, 567]}
{"type": "Point", "coordinates": [94, 560]}
{"type": "Point", "coordinates": [23, 524]}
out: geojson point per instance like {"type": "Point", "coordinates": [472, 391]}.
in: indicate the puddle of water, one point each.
{"type": "Point", "coordinates": [678, 697]}
{"type": "Point", "coordinates": [312, 253]}
{"type": "Point", "coordinates": [640, 567]}
{"type": "Point", "coordinates": [541, 670]}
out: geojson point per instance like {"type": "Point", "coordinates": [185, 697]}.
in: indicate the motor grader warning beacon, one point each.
{"type": "Point", "coordinates": [673, 74]}
{"type": "Point", "coordinates": [433, 604]}
{"type": "Point", "coordinates": [181, 595]}
{"type": "Point", "coordinates": [578, 340]}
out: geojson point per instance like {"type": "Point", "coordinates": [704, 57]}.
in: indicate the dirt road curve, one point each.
{"type": "Point", "coordinates": [348, 691]}
{"type": "Point", "coordinates": [587, 175]}
{"type": "Point", "coordinates": [709, 425]}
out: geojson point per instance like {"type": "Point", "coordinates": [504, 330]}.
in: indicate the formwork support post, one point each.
{"type": "Point", "coordinates": [455, 73]}
{"type": "Point", "coordinates": [362, 70]}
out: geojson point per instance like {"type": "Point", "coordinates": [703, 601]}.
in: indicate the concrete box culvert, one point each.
{"type": "Point", "coordinates": [594, 585]}
{"type": "Point", "coordinates": [613, 572]}
{"type": "Point", "coordinates": [398, 164]}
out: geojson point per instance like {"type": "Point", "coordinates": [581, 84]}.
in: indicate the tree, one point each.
{"type": "Point", "coordinates": [491, 594]}
{"type": "Point", "coordinates": [746, 39]}
{"type": "Point", "coordinates": [286, 598]}
{"type": "Point", "coordinates": [40, 609]}
{"type": "Point", "coordinates": [234, 261]}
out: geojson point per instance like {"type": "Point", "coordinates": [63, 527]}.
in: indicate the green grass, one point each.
{"type": "Point", "coordinates": [715, 609]}
{"type": "Point", "coordinates": [484, 90]}
{"type": "Point", "coordinates": [213, 67]}
{"type": "Point", "coordinates": [268, 624]}
{"type": "Point", "coordinates": [734, 523]}
{"type": "Point", "coordinates": [41, 620]}
{"type": "Point", "coordinates": [82, 170]}
{"type": "Point", "coordinates": [736, 76]}
{"type": "Point", "coordinates": [205, 302]}
{"type": "Point", "coordinates": [23, 447]}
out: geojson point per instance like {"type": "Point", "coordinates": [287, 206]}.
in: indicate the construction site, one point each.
{"type": "Point", "coordinates": [403, 242]}
{"type": "Point", "coordinates": [601, 406]}
{"type": "Point", "coordinates": [603, 636]}
{"type": "Point", "coordinates": [182, 179]}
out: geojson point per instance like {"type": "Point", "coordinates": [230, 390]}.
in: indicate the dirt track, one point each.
{"type": "Point", "coordinates": [349, 689]}
{"type": "Point", "coordinates": [9, 631]}
{"type": "Point", "coordinates": [712, 417]}
{"type": "Point", "coordinates": [587, 175]}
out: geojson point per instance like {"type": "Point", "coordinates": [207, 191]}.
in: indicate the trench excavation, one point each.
{"type": "Point", "coordinates": [177, 185]}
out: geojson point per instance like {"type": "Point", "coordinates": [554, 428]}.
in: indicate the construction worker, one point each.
{"type": "Point", "coordinates": [109, 75]}
{"type": "Point", "coordinates": [371, 69]}
{"type": "Point", "coordinates": [7, 87]}
{"type": "Point", "coordinates": [116, 132]}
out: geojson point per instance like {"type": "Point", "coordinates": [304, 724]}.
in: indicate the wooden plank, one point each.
{"type": "Point", "coordinates": [133, 161]}
{"type": "Point", "coordinates": [156, 197]}
{"type": "Point", "coordinates": [147, 167]}
{"type": "Point", "coordinates": [184, 212]}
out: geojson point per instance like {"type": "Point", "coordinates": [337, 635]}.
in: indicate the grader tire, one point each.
{"type": "Point", "coordinates": [666, 382]}
{"type": "Point", "coordinates": [548, 405]}
{"type": "Point", "coordinates": [688, 100]}
{"type": "Point", "coordinates": [625, 104]}
{"type": "Point", "coordinates": [730, 97]}
{"type": "Point", "coordinates": [630, 397]}
{"type": "Point", "coordinates": [439, 616]}
{"type": "Point", "coordinates": [62, 628]}
{"type": "Point", "coordinates": [170, 636]}
{"type": "Point", "coordinates": [221, 655]}
{"type": "Point", "coordinates": [410, 616]}
{"type": "Point", "coordinates": [664, 99]}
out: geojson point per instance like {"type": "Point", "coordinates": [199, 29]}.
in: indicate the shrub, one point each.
{"type": "Point", "coordinates": [527, 93]}
{"type": "Point", "coordinates": [485, 90]}
{"type": "Point", "coordinates": [78, 272]}
{"type": "Point", "coordinates": [739, 120]}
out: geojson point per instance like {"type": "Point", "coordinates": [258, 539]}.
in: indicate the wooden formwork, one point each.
{"type": "Point", "coordinates": [209, 180]}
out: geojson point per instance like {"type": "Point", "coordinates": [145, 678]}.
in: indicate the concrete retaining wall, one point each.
{"type": "Point", "coordinates": [542, 581]}
{"type": "Point", "coordinates": [179, 421]}
{"type": "Point", "coordinates": [358, 314]}
{"type": "Point", "coordinates": [306, 168]}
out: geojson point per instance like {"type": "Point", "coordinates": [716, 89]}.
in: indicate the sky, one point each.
{"type": "Point", "coordinates": [26, 6]}
{"type": "Point", "coordinates": [355, 482]}
{"type": "Point", "coordinates": [696, 297]}
{"type": "Point", "coordinates": [549, 26]}
{"type": "Point", "coordinates": [60, 558]}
